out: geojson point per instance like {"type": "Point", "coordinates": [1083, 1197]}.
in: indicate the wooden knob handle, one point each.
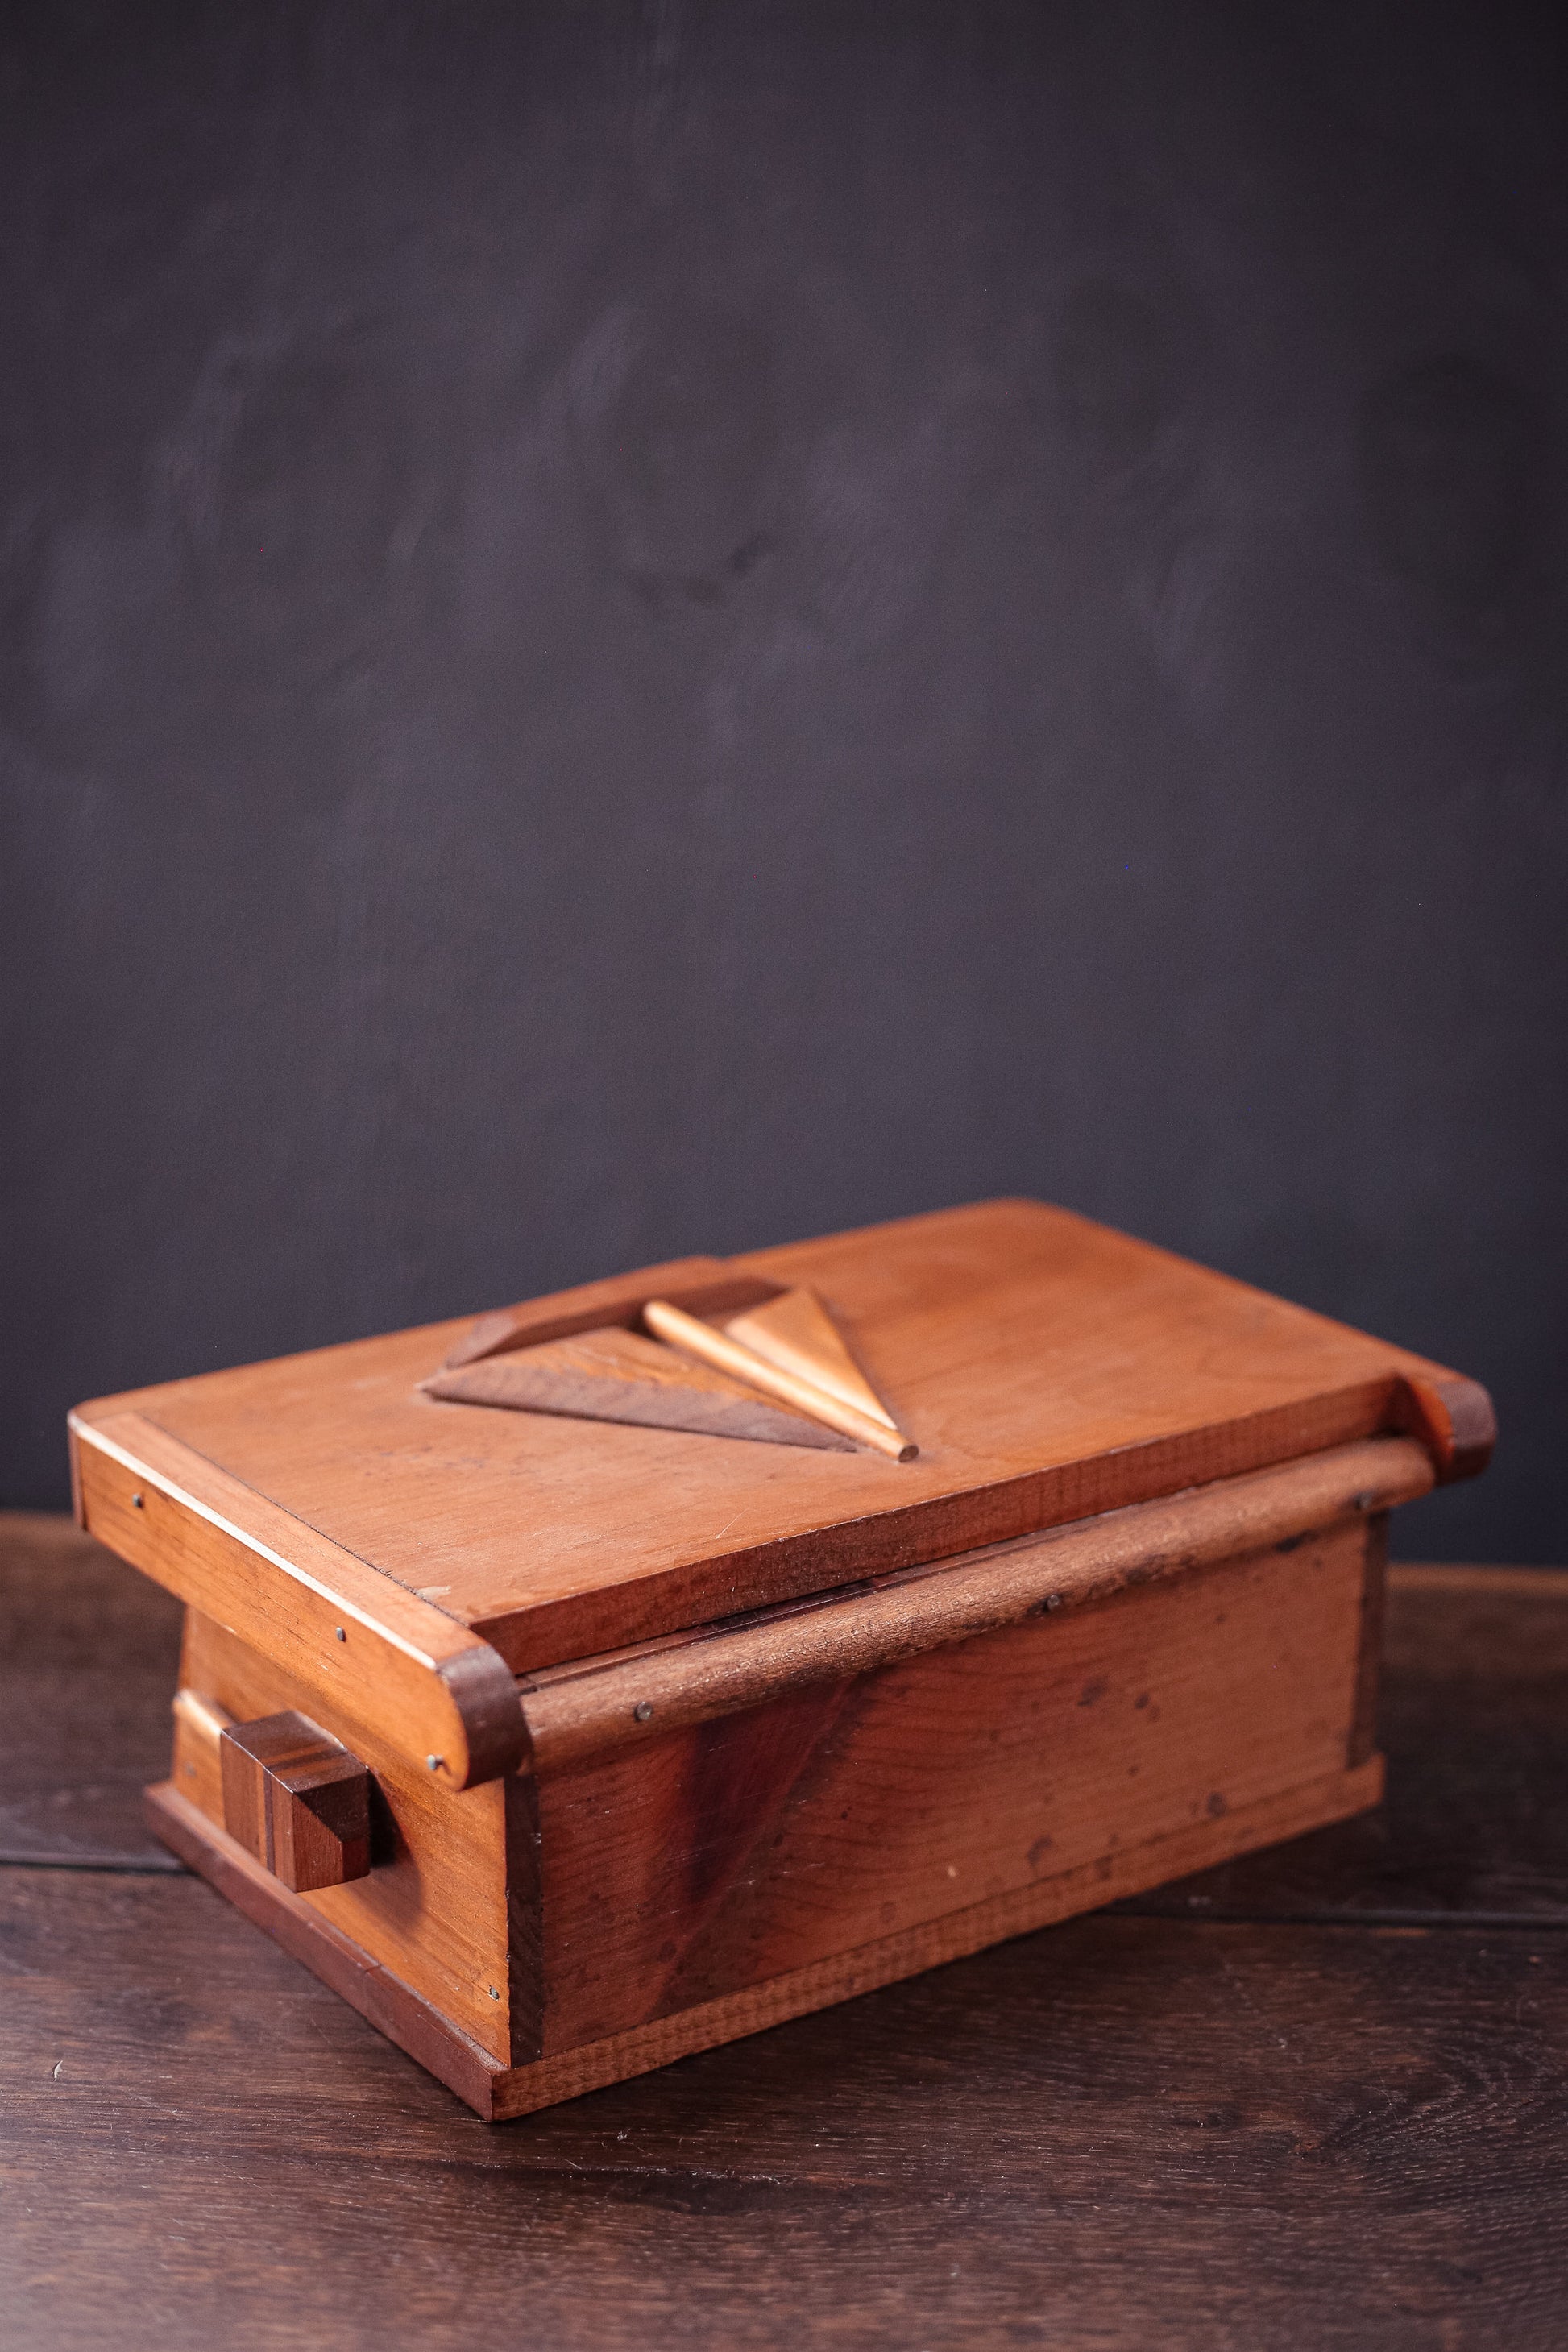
{"type": "Point", "coordinates": [297, 1801]}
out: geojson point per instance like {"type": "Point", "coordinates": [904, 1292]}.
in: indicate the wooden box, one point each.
{"type": "Point", "coordinates": [562, 1741]}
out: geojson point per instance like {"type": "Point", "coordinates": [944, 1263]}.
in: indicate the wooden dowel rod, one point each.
{"type": "Point", "coordinates": [614, 1704]}
{"type": "Point", "coordinates": [742, 1364]}
{"type": "Point", "coordinates": [204, 1715]}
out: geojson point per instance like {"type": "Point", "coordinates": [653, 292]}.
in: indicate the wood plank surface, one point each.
{"type": "Point", "coordinates": [1324, 2116]}
{"type": "Point", "coordinates": [391, 1660]}
{"type": "Point", "coordinates": [89, 1658]}
{"type": "Point", "coordinates": [798, 1835]}
{"type": "Point", "coordinates": [1047, 1368]}
{"type": "Point", "coordinates": [635, 1695]}
{"type": "Point", "coordinates": [1121, 2133]}
{"type": "Point", "coordinates": [1473, 1719]}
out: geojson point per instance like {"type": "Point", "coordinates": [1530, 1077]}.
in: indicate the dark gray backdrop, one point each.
{"type": "Point", "coordinates": [637, 629]}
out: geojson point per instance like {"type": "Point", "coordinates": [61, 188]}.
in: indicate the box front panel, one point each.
{"type": "Point", "coordinates": [745, 1848]}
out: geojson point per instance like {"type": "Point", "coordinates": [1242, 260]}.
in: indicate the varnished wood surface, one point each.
{"type": "Point", "coordinates": [1187, 1689]}
{"type": "Point", "coordinates": [1312, 2102]}
{"type": "Point", "coordinates": [433, 1910]}
{"type": "Point", "coordinates": [956, 1798]}
{"type": "Point", "coordinates": [638, 1695]}
{"type": "Point", "coordinates": [391, 1660]}
{"type": "Point", "coordinates": [297, 1800]}
{"type": "Point", "coordinates": [1047, 1368]}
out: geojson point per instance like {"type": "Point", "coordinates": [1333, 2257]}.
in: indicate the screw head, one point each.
{"type": "Point", "coordinates": [434, 1763]}
{"type": "Point", "coordinates": [493, 1993]}
{"type": "Point", "coordinates": [137, 1504]}
{"type": "Point", "coordinates": [643, 1711]}
{"type": "Point", "coordinates": [340, 1632]}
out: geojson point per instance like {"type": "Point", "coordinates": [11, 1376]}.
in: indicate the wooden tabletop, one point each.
{"type": "Point", "coordinates": [1318, 2098]}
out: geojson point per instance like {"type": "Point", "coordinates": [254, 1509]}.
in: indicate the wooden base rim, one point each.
{"type": "Point", "coordinates": [498, 2093]}
{"type": "Point", "coordinates": [393, 2007]}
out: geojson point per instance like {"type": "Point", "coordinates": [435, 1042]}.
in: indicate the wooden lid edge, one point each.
{"type": "Point", "coordinates": [437, 1691]}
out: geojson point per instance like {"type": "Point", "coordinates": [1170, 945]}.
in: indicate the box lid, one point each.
{"type": "Point", "coordinates": [1047, 1368]}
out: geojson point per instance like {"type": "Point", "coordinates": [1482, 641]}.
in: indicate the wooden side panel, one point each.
{"type": "Point", "coordinates": [1369, 1656]}
{"type": "Point", "coordinates": [433, 1909]}
{"type": "Point", "coordinates": [761, 1845]}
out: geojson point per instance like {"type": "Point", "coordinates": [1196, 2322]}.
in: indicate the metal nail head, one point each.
{"type": "Point", "coordinates": [643, 1711]}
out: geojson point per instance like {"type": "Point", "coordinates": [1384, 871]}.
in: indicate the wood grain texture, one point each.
{"type": "Point", "coordinates": [305, 1932]}
{"type": "Point", "coordinates": [386, 1658]}
{"type": "Point", "coordinates": [502, 2095]}
{"type": "Point", "coordinates": [433, 1910]}
{"type": "Point", "coordinates": [1118, 2134]}
{"type": "Point", "coordinates": [1471, 1714]}
{"type": "Point", "coordinates": [1060, 1748]}
{"type": "Point", "coordinates": [1008, 1763]}
{"type": "Point", "coordinates": [716, 1347]}
{"type": "Point", "coordinates": [1047, 1368]}
{"type": "Point", "coordinates": [1454, 1420]}
{"type": "Point", "coordinates": [623, 1376]}
{"type": "Point", "coordinates": [1023, 1772]}
{"type": "Point", "coordinates": [1473, 1718]}
{"type": "Point", "coordinates": [1290, 2126]}
{"type": "Point", "coordinates": [635, 1696]}
{"type": "Point", "coordinates": [197, 1765]}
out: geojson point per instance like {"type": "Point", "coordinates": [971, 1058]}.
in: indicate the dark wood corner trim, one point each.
{"type": "Point", "coordinates": [483, 1689]}
{"type": "Point", "coordinates": [524, 1920]}
{"type": "Point", "coordinates": [1453, 1419]}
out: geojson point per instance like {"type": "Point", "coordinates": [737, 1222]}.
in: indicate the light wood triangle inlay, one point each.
{"type": "Point", "coordinates": [795, 1332]}
{"type": "Point", "coordinates": [617, 1375]}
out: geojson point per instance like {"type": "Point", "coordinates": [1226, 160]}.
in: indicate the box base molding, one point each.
{"type": "Point", "coordinates": [497, 2093]}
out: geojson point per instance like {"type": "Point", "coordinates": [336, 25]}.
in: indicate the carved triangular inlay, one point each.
{"type": "Point", "coordinates": [617, 1375]}
{"type": "Point", "coordinates": [795, 1332]}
